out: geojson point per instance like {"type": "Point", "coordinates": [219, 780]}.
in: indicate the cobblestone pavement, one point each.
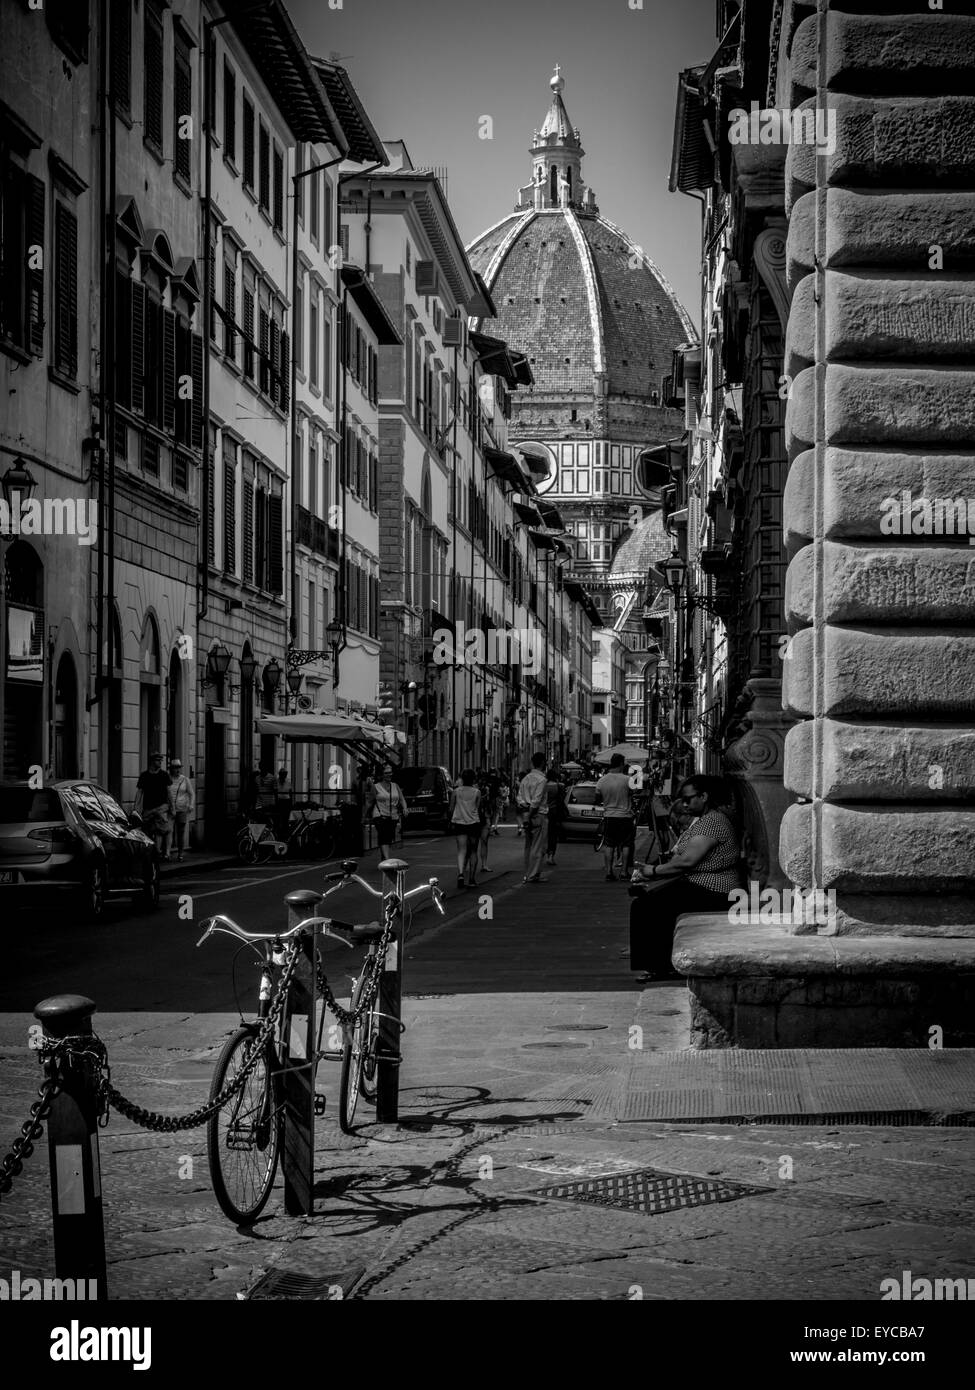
{"type": "Point", "coordinates": [516, 1024]}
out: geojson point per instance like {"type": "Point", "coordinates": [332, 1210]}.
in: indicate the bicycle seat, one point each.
{"type": "Point", "coordinates": [359, 931]}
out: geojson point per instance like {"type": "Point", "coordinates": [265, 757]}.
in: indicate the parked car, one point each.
{"type": "Point", "coordinates": [584, 814]}
{"type": "Point", "coordinates": [427, 792]}
{"type": "Point", "coordinates": [72, 842]}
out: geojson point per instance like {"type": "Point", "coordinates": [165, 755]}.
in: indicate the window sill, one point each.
{"type": "Point", "coordinates": [231, 365]}
{"type": "Point", "coordinates": [65, 381]}
{"type": "Point", "coordinates": [278, 234]}
{"type": "Point", "coordinates": [13, 350]}
{"type": "Point", "coordinates": [124, 115]}
{"type": "Point", "coordinates": [154, 150]}
{"type": "Point", "coordinates": [249, 190]}
{"type": "Point", "coordinates": [231, 165]}
{"type": "Point", "coordinates": [182, 184]}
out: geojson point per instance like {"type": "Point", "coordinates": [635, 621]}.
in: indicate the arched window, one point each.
{"type": "Point", "coordinates": [554, 184]}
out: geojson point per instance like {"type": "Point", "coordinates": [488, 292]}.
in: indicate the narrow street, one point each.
{"type": "Point", "coordinates": [518, 1026]}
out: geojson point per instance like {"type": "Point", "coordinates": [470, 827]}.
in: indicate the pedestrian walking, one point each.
{"type": "Point", "coordinates": [152, 804]}
{"type": "Point", "coordinates": [697, 877]}
{"type": "Point", "coordinates": [181, 803]}
{"type": "Point", "coordinates": [533, 805]}
{"type": "Point", "coordinates": [614, 794]}
{"type": "Point", "coordinates": [283, 802]}
{"type": "Point", "coordinates": [485, 811]}
{"type": "Point", "coordinates": [464, 814]}
{"type": "Point", "coordinates": [555, 800]}
{"type": "Point", "coordinates": [387, 807]}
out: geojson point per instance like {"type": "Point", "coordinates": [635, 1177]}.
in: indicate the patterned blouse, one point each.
{"type": "Point", "coordinates": [718, 870]}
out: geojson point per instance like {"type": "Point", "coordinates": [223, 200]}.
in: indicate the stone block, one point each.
{"type": "Point", "coordinates": [921, 674]}
{"type": "Point", "coordinates": [905, 914]}
{"type": "Point", "coordinates": [800, 333]}
{"type": "Point", "coordinates": [858, 482]}
{"type": "Point", "coordinates": [800, 244]}
{"type": "Point", "coordinates": [895, 405]}
{"type": "Point", "coordinates": [800, 416]}
{"type": "Point", "coordinates": [860, 582]}
{"type": "Point", "coordinates": [890, 228]}
{"type": "Point", "coordinates": [880, 850]}
{"type": "Point", "coordinates": [882, 762]}
{"type": "Point", "coordinates": [878, 314]}
{"type": "Point", "coordinates": [799, 500]}
{"type": "Point", "coordinates": [892, 142]}
{"type": "Point", "coordinates": [912, 53]}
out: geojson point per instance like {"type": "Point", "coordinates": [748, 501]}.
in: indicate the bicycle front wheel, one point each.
{"type": "Point", "coordinates": [358, 1059]}
{"type": "Point", "coordinates": [243, 1137]}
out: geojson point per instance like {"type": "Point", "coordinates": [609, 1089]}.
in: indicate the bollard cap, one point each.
{"type": "Point", "coordinates": [65, 1013]}
{"type": "Point", "coordinates": [304, 897]}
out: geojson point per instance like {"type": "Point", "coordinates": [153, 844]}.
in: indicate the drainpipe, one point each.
{"type": "Point", "coordinates": [104, 358]}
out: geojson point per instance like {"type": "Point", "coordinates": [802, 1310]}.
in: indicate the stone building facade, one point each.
{"type": "Point", "coordinates": [854, 257]}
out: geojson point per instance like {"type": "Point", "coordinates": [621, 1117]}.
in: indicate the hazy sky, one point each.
{"type": "Point", "coordinates": [428, 70]}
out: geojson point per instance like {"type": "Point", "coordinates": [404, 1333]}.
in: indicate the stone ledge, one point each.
{"type": "Point", "coordinates": [707, 944]}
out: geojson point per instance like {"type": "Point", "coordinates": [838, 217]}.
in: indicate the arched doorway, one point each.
{"type": "Point", "coordinates": [174, 709]}
{"type": "Point", "coordinates": [23, 685]}
{"type": "Point", "coordinates": [247, 668]}
{"type": "Point", "coordinates": [65, 752]}
{"type": "Point", "coordinates": [216, 829]}
{"type": "Point", "coordinates": [150, 686]}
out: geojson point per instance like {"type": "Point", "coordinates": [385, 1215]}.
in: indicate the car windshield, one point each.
{"type": "Point", "coordinates": [21, 804]}
{"type": "Point", "coordinates": [415, 780]}
{"type": "Point", "coordinates": [582, 796]}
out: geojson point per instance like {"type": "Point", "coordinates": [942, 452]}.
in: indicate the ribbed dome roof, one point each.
{"type": "Point", "coordinates": [645, 544]}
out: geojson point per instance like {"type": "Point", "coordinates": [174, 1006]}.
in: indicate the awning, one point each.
{"type": "Point", "coordinates": [550, 516]}
{"type": "Point", "coordinates": [329, 728]}
{"type": "Point", "coordinates": [543, 541]}
{"type": "Point", "coordinates": [370, 305]}
{"type": "Point", "coordinates": [528, 514]}
{"type": "Point", "coordinates": [506, 467]}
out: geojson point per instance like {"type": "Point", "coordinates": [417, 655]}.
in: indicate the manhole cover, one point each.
{"type": "Point", "coordinates": [553, 1044]}
{"type": "Point", "coordinates": [289, 1285]}
{"type": "Point", "coordinates": [575, 1027]}
{"type": "Point", "coordinates": [650, 1192]}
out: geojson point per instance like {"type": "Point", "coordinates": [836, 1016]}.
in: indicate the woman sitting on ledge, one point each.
{"type": "Point", "coordinates": [697, 877]}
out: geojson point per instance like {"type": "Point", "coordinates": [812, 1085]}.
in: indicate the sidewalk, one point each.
{"type": "Point", "coordinates": [522, 1166]}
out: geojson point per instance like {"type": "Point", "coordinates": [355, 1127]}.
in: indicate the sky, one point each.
{"type": "Point", "coordinates": [427, 71]}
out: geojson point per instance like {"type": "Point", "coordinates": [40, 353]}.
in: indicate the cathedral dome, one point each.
{"type": "Point", "coordinates": [592, 312]}
{"type": "Point", "coordinates": [644, 545]}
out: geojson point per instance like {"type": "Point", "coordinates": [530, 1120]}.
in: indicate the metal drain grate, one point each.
{"type": "Point", "coordinates": [554, 1044]}
{"type": "Point", "coordinates": [575, 1027]}
{"type": "Point", "coordinates": [287, 1285]}
{"type": "Point", "coordinates": [650, 1191]}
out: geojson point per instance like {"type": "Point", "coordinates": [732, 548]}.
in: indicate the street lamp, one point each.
{"type": "Point", "coordinates": [218, 664]}
{"type": "Point", "coordinates": [294, 679]}
{"type": "Point", "coordinates": [674, 569]}
{"type": "Point", "coordinates": [18, 485]}
{"type": "Point", "coordinates": [272, 675]}
{"type": "Point", "coordinates": [248, 665]}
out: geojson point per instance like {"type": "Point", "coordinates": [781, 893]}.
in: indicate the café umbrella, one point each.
{"type": "Point", "coordinates": [630, 752]}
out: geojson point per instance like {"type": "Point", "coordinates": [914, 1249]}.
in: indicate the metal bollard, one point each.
{"type": "Point", "coordinates": [299, 1044]}
{"type": "Point", "coordinates": [72, 1142]}
{"type": "Point", "coordinates": [390, 1003]}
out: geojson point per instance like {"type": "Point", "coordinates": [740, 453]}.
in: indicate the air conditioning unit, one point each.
{"type": "Point", "coordinates": [453, 332]}
{"type": "Point", "coordinates": [305, 703]}
{"type": "Point", "coordinates": [426, 277]}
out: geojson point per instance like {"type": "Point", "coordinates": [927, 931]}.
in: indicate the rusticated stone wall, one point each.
{"type": "Point", "coordinates": [880, 347]}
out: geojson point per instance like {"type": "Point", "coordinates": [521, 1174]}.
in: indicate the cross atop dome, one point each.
{"type": "Point", "coordinates": [557, 160]}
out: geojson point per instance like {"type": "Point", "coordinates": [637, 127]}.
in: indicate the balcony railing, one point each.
{"type": "Point", "coordinates": [316, 534]}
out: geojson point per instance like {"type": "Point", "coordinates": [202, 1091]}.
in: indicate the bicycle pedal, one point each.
{"type": "Point", "coordinates": [320, 1103]}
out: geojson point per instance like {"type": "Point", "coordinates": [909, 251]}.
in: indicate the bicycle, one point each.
{"type": "Point", "coordinates": [257, 842]}
{"type": "Point", "coordinates": [245, 1137]}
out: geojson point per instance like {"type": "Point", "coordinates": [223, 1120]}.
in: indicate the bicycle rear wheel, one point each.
{"type": "Point", "coordinates": [358, 1059]}
{"type": "Point", "coordinates": [243, 1137]}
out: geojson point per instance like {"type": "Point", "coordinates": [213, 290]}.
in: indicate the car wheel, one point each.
{"type": "Point", "coordinates": [92, 899]}
{"type": "Point", "coordinates": [149, 896]}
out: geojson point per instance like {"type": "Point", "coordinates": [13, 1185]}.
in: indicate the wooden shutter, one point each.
{"type": "Point", "coordinates": [229, 511]}
{"type": "Point", "coordinates": [285, 394]}
{"type": "Point", "coordinates": [123, 339]}
{"type": "Point", "coordinates": [275, 549]}
{"type": "Point", "coordinates": [138, 347]}
{"type": "Point", "coordinates": [212, 263]}
{"type": "Point", "coordinates": [265, 350]}
{"type": "Point", "coordinates": [229, 309]}
{"type": "Point", "coordinates": [247, 301]}
{"type": "Point", "coordinates": [264, 168]}
{"type": "Point", "coordinates": [278, 190]}
{"type": "Point", "coordinates": [247, 531]}
{"type": "Point", "coordinates": [211, 498]}
{"type": "Point", "coordinates": [153, 56]}
{"type": "Point", "coordinates": [275, 335]}
{"type": "Point", "coordinates": [248, 142]}
{"type": "Point", "coordinates": [196, 413]}
{"type": "Point", "coordinates": [121, 53]}
{"type": "Point", "coordinates": [169, 371]}
{"type": "Point", "coordinates": [182, 106]}
{"type": "Point", "coordinates": [34, 194]}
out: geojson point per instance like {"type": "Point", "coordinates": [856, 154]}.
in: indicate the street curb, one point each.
{"type": "Point", "coordinates": [196, 865]}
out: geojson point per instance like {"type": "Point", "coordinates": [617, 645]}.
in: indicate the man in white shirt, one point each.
{"type": "Point", "coordinates": [533, 804]}
{"type": "Point", "coordinates": [613, 793]}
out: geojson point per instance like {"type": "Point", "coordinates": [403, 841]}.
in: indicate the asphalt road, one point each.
{"type": "Point", "coordinates": [138, 960]}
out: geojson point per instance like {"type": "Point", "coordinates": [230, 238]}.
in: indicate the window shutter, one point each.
{"type": "Point", "coordinates": [260, 539]}
{"type": "Point", "coordinates": [123, 339]}
{"type": "Point", "coordinates": [275, 332]}
{"type": "Point", "coordinates": [248, 140]}
{"type": "Point", "coordinates": [247, 529]}
{"type": "Point", "coordinates": [274, 545]}
{"type": "Point", "coordinates": [212, 263]}
{"type": "Point", "coordinates": [182, 106]}
{"type": "Point", "coordinates": [264, 167]}
{"type": "Point", "coordinates": [265, 350]}
{"type": "Point", "coordinates": [278, 190]}
{"type": "Point", "coordinates": [285, 372]}
{"type": "Point", "coordinates": [138, 347]}
{"type": "Point", "coordinates": [35, 278]}
{"type": "Point", "coordinates": [229, 512]}
{"type": "Point", "coordinates": [153, 56]}
{"type": "Point", "coordinates": [169, 371]}
{"type": "Point", "coordinates": [196, 413]}
{"type": "Point", "coordinates": [121, 51]}
{"type": "Point", "coordinates": [229, 309]}
{"type": "Point", "coordinates": [229, 113]}
{"type": "Point", "coordinates": [248, 316]}
{"type": "Point", "coordinates": [212, 499]}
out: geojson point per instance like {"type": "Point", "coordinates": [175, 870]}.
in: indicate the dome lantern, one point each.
{"type": "Point", "coordinates": [557, 155]}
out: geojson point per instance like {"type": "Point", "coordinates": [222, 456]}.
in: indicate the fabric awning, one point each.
{"type": "Point", "coordinates": [329, 728]}
{"type": "Point", "coordinates": [528, 514]}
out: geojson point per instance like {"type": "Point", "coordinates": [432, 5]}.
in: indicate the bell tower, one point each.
{"type": "Point", "coordinates": [557, 155]}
